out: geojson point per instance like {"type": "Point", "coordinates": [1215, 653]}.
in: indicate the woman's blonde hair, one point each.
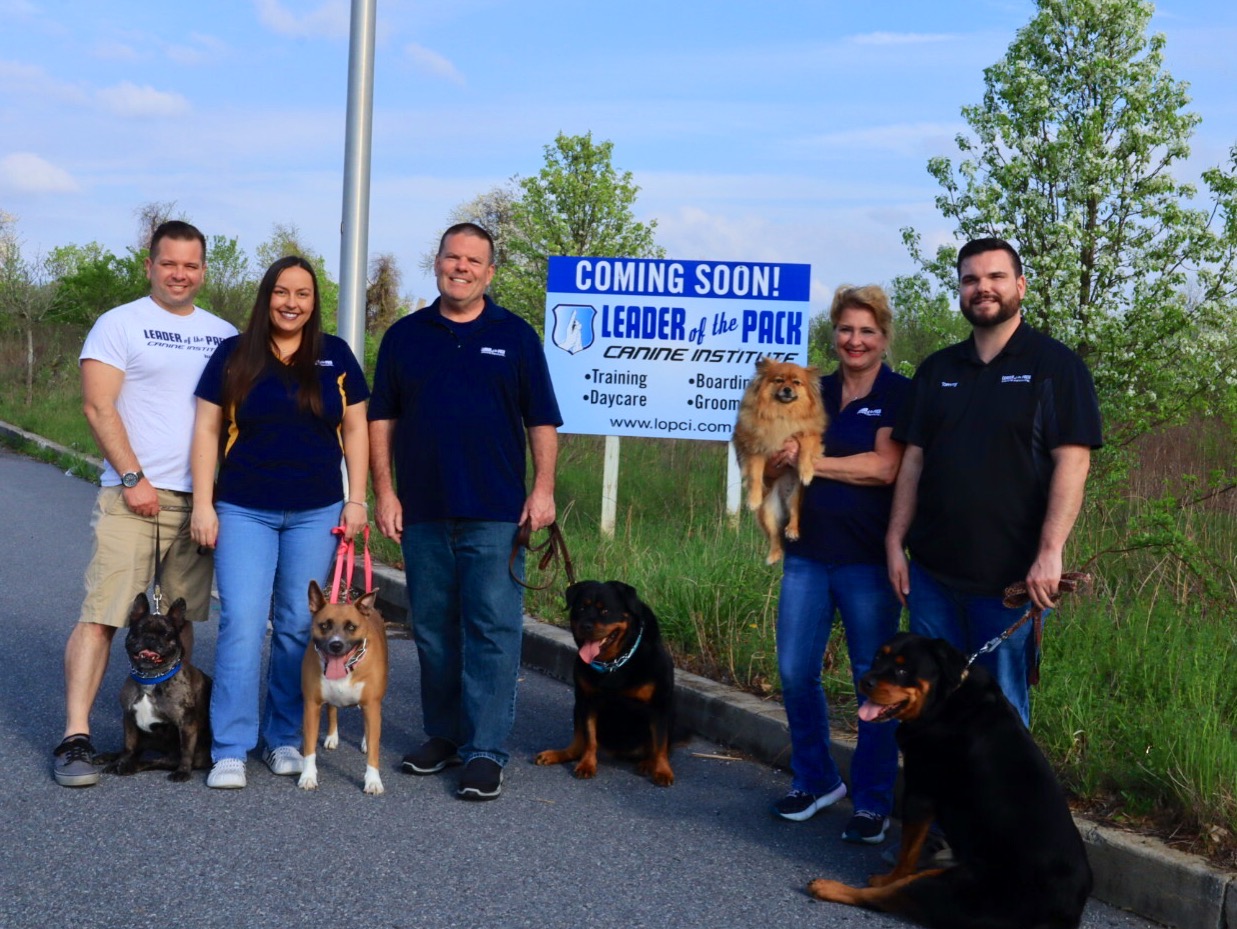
{"type": "Point", "coordinates": [870, 297]}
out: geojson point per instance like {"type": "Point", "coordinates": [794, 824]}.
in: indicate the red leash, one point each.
{"type": "Point", "coordinates": [346, 554]}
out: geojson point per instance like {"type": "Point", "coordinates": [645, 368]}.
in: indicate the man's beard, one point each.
{"type": "Point", "coordinates": [1009, 308]}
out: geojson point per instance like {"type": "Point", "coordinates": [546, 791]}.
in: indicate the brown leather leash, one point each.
{"type": "Point", "coordinates": [553, 549]}
{"type": "Point", "coordinates": [1015, 596]}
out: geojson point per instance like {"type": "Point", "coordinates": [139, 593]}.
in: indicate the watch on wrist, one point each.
{"type": "Point", "coordinates": [131, 478]}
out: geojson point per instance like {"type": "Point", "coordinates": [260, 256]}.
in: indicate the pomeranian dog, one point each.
{"type": "Point", "coordinates": [781, 402]}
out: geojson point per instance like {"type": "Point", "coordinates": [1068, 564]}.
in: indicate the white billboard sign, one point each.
{"type": "Point", "coordinates": [654, 347]}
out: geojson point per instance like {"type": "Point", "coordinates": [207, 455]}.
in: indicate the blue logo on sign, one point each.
{"type": "Point", "coordinates": [574, 327]}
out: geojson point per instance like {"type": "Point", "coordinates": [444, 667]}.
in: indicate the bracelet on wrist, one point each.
{"type": "Point", "coordinates": [364, 506]}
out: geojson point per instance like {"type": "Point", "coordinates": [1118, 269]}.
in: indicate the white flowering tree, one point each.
{"type": "Point", "coordinates": [1071, 157]}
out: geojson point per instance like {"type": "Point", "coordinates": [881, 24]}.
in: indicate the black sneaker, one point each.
{"type": "Point", "coordinates": [482, 780]}
{"type": "Point", "coordinates": [73, 763]}
{"type": "Point", "coordinates": [431, 757]}
{"type": "Point", "coordinates": [799, 805]}
{"type": "Point", "coordinates": [866, 828]}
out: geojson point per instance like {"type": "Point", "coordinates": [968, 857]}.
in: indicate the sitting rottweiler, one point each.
{"type": "Point", "coordinates": [971, 764]}
{"type": "Point", "coordinates": [624, 681]}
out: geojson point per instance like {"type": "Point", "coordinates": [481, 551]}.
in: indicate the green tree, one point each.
{"type": "Point", "coordinates": [1070, 157]}
{"type": "Point", "coordinates": [92, 280]}
{"type": "Point", "coordinates": [230, 283]}
{"type": "Point", "coordinates": [578, 204]}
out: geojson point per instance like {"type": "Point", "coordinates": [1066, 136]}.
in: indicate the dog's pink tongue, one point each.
{"type": "Point", "coordinates": [870, 711]}
{"type": "Point", "coordinates": [336, 668]}
{"type": "Point", "coordinates": [589, 651]}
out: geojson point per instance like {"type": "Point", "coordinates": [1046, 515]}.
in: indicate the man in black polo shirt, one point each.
{"type": "Point", "coordinates": [458, 388]}
{"type": "Point", "coordinates": [998, 431]}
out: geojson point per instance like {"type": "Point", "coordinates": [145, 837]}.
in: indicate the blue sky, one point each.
{"type": "Point", "coordinates": [770, 131]}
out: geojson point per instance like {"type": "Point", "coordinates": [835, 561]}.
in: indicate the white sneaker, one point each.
{"type": "Point", "coordinates": [284, 760]}
{"type": "Point", "coordinates": [228, 774]}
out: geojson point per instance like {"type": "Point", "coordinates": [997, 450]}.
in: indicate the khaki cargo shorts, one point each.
{"type": "Point", "coordinates": [122, 564]}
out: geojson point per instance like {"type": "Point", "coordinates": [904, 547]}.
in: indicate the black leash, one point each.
{"type": "Point", "coordinates": [156, 587]}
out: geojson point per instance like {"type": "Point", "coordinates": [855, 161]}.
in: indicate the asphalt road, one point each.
{"type": "Point", "coordinates": [551, 852]}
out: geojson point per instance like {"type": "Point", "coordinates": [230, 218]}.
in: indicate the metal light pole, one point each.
{"type": "Point", "coordinates": [354, 252]}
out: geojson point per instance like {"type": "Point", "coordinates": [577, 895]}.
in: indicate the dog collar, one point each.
{"type": "Point", "coordinates": [607, 666]}
{"type": "Point", "coordinates": [148, 681]}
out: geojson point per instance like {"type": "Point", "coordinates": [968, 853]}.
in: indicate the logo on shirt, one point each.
{"type": "Point", "coordinates": [325, 363]}
{"type": "Point", "coordinates": [1016, 379]}
{"type": "Point", "coordinates": [949, 383]}
{"type": "Point", "coordinates": [496, 352]}
{"type": "Point", "coordinates": [867, 411]}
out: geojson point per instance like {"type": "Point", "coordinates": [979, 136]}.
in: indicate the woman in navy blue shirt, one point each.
{"type": "Point", "coordinates": [279, 407]}
{"type": "Point", "coordinates": [838, 565]}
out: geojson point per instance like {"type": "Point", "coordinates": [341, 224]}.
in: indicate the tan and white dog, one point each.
{"type": "Point", "coordinates": [345, 665]}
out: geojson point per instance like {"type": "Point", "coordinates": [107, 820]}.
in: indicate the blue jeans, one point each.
{"type": "Point", "coordinates": [967, 622]}
{"type": "Point", "coordinates": [468, 623]}
{"type": "Point", "coordinates": [811, 592]}
{"type": "Point", "coordinates": [264, 562]}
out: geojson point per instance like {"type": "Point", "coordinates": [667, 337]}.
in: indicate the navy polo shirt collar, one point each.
{"type": "Point", "coordinates": [1016, 345]}
{"type": "Point", "coordinates": [432, 314]}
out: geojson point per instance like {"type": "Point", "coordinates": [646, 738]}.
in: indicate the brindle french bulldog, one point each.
{"type": "Point", "coordinates": [166, 700]}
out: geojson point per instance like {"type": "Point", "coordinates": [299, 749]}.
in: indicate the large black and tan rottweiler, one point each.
{"type": "Point", "coordinates": [624, 682]}
{"type": "Point", "coordinates": [971, 765]}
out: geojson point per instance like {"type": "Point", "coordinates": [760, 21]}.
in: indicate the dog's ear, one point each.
{"type": "Point", "coordinates": [141, 607]}
{"type": "Point", "coordinates": [177, 614]}
{"type": "Point", "coordinates": [762, 364]}
{"type": "Point", "coordinates": [629, 598]}
{"type": "Point", "coordinates": [366, 605]}
{"type": "Point", "coordinates": [316, 600]}
{"type": "Point", "coordinates": [572, 594]}
{"type": "Point", "coordinates": [951, 662]}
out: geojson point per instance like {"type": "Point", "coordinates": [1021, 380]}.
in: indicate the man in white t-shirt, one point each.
{"type": "Point", "coordinates": [140, 364]}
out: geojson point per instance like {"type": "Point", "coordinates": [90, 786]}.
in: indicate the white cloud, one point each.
{"type": "Point", "coordinates": [129, 100]}
{"type": "Point", "coordinates": [912, 139]}
{"type": "Point", "coordinates": [33, 83]}
{"type": "Point", "coordinates": [429, 61]}
{"type": "Point", "coordinates": [111, 50]}
{"type": "Point", "coordinates": [26, 172]}
{"type": "Point", "coordinates": [901, 38]}
{"type": "Point", "coordinates": [330, 20]}
{"type": "Point", "coordinates": [201, 49]}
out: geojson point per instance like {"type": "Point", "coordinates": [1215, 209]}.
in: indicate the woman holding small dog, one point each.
{"type": "Point", "coordinates": [838, 565]}
{"type": "Point", "coordinates": [288, 402]}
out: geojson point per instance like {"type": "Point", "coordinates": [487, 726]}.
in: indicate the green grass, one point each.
{"type": "Point", "coordinates": [1137, 704]}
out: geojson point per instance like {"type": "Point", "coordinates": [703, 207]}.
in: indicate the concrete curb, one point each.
{"type": "Point", "coordinates": [1136, 873]}
{"type": "Point", "coordinates": [16, 434]}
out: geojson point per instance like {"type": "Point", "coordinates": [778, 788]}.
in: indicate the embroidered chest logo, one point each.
{"type": "Point", "coordinates": [1016, 379]}
{"type": "Point", "coordinates": [496, 352]}
{"type": "Point", "coordinates": [867, 411]}
{"type": "Point", "coordinates": [949, 383]}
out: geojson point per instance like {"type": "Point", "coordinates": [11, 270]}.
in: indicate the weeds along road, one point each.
{"type": "Point", "coordinates": [551, 852]}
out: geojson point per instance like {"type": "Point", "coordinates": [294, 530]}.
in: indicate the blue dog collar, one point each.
{"type": "Point", "coordinates": [605, 666]}
{"type": "Point", "coordinates": [157, 679]}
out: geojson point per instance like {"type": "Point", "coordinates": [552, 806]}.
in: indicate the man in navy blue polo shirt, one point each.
{"type": "Point", "coordinates": [998, 431]}
{"type": "Point", "coordinates": [458, 387]}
